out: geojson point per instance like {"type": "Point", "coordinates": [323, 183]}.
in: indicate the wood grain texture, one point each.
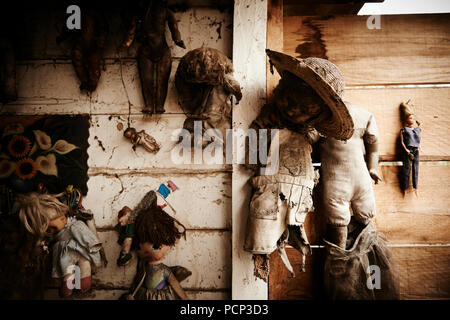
{"type": "Point", "coordinates": [431, 107]}
{"type": "Point", "coordinates": [406, 49]}
{"type": "Point", "coordinates": [422, 219]}
{"type": "Point", "coordinates": [423, 274]}
{"type": "Point", "coordinates": [274, 39]}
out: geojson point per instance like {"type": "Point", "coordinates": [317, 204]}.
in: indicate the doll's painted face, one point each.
{"type": "Point", "coordinates": [296, 100]}
{"type": "Point", "coordinates": [124, 215]}
{"type": "Point", "coordinates": [410, 120]}
{"type": "Point", "coordinates": [57, 224]}
{"type": "Point", "coordinates": [152, 254]}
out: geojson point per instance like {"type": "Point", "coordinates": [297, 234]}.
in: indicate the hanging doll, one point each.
{"type": "Point", "coordinates": [88, 45]}
{"type": "Point", "coordinates": [156, 233]}
{"type": "Point", "coordinates": [73, 243]}
{"type": "Point", "coordinates": [154, 58]}
{"type": "Point", "coordinates": [143, 139]}
{"type": "Point", "coordinates": [304, 100]}
{"type": "Point", "coordinates": [205, 83]}
{"type": "Point", "coordinates": [410, 140]}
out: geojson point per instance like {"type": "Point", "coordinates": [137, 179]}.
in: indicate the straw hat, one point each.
{"type": "Point", "coordinates": [326, 79]}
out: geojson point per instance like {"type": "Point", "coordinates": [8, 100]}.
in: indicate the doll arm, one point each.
{"type": "Point", "coordinates": [131, 34]}
{"type": "Point", "coordinates": [403, 144]}
{"type": "Point", "coordinates": [371, 144]}
{"type": "Point", "coordinates": [173, 26]}
{"type": "Point", "coordinates": [176, 287]}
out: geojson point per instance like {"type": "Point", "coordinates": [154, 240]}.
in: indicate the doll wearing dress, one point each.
{"type": "Point", "coordinates": [156, 234]}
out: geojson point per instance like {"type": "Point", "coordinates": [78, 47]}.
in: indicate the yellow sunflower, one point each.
{"type": "Point", "coordinates": [26, 168]}
{"type": "Point", "coordinates": [19, 146]}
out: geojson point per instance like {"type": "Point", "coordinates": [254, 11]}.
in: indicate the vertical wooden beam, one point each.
{"type": "Point", "coordinates": [249, 60]}
{"type": "Point", "coordinates": [274, 39]}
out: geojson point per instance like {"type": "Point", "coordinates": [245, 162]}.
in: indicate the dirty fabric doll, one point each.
{"type": "Point", "coordinates": [73, 243]}
{"type": "Point", "coordinates": [204, 82]}
{"type": "Point", "coordinates": [156, 234]}
{"type": "Point", "coordinates": [154, 59]}
{"type": "Point", "coordinates": [410, 140]}
{"type": "Point", "coordinates": [282, 200]}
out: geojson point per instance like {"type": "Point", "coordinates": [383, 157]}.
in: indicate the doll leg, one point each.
{"type": "Point", "coordinates": [78, 64]}
{"type": "Point", "coordinates": [163, 74]}
{"type": "Point", "coordinates": [85, 273]}
{"type": "Point", "coordinates": [147, 73]}
{"type": "Point", "coordinates": [415, 169]}
{"type": "Point", "coordinates": [404, 178]}
{"type": "Point", "coordinates": [94, 59]}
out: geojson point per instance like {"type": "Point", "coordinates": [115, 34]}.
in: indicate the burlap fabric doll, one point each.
{"type": "Point", "coordinates": [306, 99]}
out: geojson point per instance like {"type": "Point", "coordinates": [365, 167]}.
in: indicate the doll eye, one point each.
{"type": "Point", "coordinates": [155, 247]}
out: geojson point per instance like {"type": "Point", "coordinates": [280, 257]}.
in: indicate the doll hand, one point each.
{"type": "Point", "coordinates": [180, 44]}
{"type": "Point", "coordinates": [374, 175]}
{"type": "Point", "coordinates": [129, 297]}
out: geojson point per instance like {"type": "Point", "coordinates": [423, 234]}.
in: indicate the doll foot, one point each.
{"type": "Point", "coordinates": [86, 283]}
{"type": "Point", "coordinates": [124, 259]}
{"type": "Point", "coordinates": [64, 291]}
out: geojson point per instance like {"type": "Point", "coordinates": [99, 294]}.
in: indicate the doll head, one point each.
{"type": "Point", "coordinates": [156, 233]}
{"type": "Point", "coordinates": [298, 102]}
{"type": "Point", "coordinates": [130, 133]}
{"type": "Point", "coordinates": [124, 215]}
{"type": "Point", "coordinates": [407, 113]}
{"type": "Point", "coordinates": [41, 214]}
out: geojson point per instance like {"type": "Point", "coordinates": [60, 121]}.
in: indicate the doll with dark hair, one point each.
{"type": "Point", "coordinates": [156, 233]}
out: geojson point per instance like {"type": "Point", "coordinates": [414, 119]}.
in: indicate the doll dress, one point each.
{"type": "Point", "coordinates": [156, 283]}
{"type": "Point", "coordinates": [73, 240]}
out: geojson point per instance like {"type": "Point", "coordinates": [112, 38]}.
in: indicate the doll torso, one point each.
{"type": "Point", "coordinates": [157, 276]}
{"type": "Point", "coordinates": [411, 136]}
{"type": "Point", "coordinates": [74, 240]}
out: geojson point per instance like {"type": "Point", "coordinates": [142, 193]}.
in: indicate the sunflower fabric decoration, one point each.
{"type": "Point", "coordinates": [51, 152]}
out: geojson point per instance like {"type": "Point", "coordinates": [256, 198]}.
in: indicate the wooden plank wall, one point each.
{"type": "Point", "coordinates": [408, 58]}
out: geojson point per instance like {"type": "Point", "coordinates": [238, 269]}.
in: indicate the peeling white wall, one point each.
{"type": "Point", "coordinates": [119, 176]}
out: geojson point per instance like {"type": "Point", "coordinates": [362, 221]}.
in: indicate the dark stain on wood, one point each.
{"type": "Point", "coordinates": [313, 44]}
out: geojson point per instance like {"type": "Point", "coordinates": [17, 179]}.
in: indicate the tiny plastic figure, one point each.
{"type": "Point", "coordinates": [410, 140]}
{"type": "Point", "coordinates": [154, 59]}
{"type": "Point", "coordinates": [156, 233]}
{"type": "Point", "coordinates": [73, 243]}
{"type": "Point", "coordinates": [126, 235]}
{"type": "Point", "coordinates": [141, 138]}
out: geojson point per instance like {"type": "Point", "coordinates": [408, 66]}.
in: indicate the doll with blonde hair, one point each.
{"type": "Point", "coordinates": [73, 243]}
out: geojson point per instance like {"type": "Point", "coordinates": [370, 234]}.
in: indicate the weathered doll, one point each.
{"type": "Point", "coordinates": [205, 83]}
{"type": "Point", "coordinates": [141, 138]}
{"type": "Point", "coordinates": [156, 234]}
{"type": "Point", "coordinates": [410, 140]}
{"type": "Point", "coordinates": [154, 58]}
{"type": "Point", "coordinates": [88, 45]}
{"type": "Point", "coordinates": [304, 100]}
{"type": "Point", "coordinates": [73, 243]}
